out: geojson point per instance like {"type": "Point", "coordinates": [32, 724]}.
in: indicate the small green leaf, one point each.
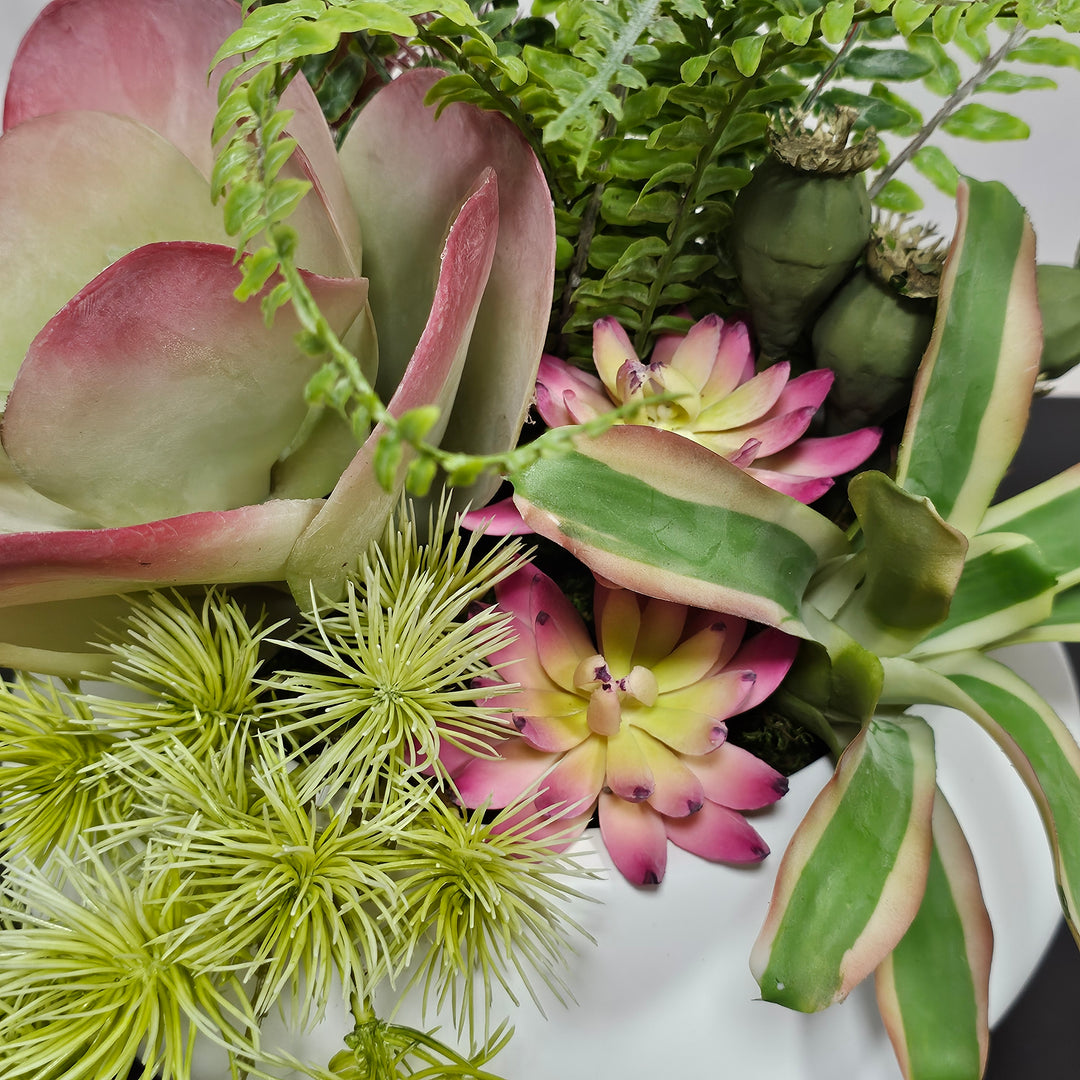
{"type": "Point", "coordinates": [1012, 82]}
{"type": "Point", "coordinates": [1047, 50]}
{"type": "Point", "coordinates": [935, 165]}
{"type": "Point", "coordinates": [416, 423]}
{"type": "Point", "coordinates": [868, 63]}
{"type": "Point", "coordinates": [746, 52]}
{"type": "Point", "coordinates": [420, 475]}
{"type": "Point", "coordinates": [980, 122]}
{"type": "Point", "coordinates": [909, 15]}
{"type": "Point", "coordinates": [388, 455]}
{"type": "Point", "coordinates": [898, 198]}
{"type": "Point", "coordinates": [693, 69]}
{"type": "Point", "coordinates": [795, 28]}
{"type": "Point", "coordinates": [836, 20]}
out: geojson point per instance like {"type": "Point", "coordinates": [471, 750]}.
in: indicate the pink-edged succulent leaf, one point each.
{"type": "Point", "coordinates": [22, 509]}
{"type": "Point", "coordinates": [973, 389]}
{"type": "Point", "coordinates": [1005, 587]}
{"type": "Point", "coordinates": [249, 544]}
{"type": "Point", "coordinates": [933, 988]}
{"type": "Point", "coordinates": [80, 190]}
{"type": "Point", "coordinates": [913, 562]}
{"type": "Point", "coordinates": [659, 514]}
{"type": "Point", "coordinates": [1047, 514]}
{"type": "Point", "coordinates": [1038, 745]}
{"type": "Point", "coordinates": [154, 393]}
{"type": "Point", "coordinates": [150, 60]}
{"type": "Point", "coordinates": [359, 506]}
{"type": "Point", "coordinates": [500, 518]}
{"type": "Point", "coordinates": [408, 171]}
{"type": "Point", "coordinates": [852, 877]}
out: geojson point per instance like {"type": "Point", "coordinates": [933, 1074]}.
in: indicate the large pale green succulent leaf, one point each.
{"type": "Point", "coordinates": [59, 233]}
{"type": "Point", "coordinates": [358, 507]}
{"type": "Point", "coordinates": [913, 562]}
{"type": "Point", "coordinates": [1033, 737]}
{"type": "Point", "coordinates": [408, 170]}
{"type": "Point", "coordinates": [1048, 514]}
{"type": "Point", "coordinates": [933, 988]}
{"type": "Point", "coordinates": [852, 878]}
{"type": "Point", "coordinates": [1006, 586]}
{"type": "Point", "coordinates": [660, 514]}
{"type": "Point", "coordinates": [973, 389]}
{"type": "Point", "coordinates": [154, 394]}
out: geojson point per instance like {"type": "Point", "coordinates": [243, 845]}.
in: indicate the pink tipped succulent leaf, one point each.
{"type": "Point", "coordinates": [194, 397]}
{"type": "Point", "coordinates": [755, 420]}
{"type": "Point", "coordinates": [624, 723]}
{"type": "Point", "coordinates": [151, 60]}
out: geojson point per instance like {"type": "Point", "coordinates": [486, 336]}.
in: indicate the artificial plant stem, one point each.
{"type": "Point", "coordinates": [687, 204]}
{"type": "Point", "coordinates": [949, 106]}
{"type": "Point", "coordinates": [827, 74]}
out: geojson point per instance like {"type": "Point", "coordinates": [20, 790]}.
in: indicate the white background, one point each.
{"type": "Point", "coordinates": [1041, 171]}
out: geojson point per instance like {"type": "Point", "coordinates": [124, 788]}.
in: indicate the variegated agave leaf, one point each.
{"type": "Point", "coordinates": [853, 875]}
{"type": "Point", "coordinates": [933, 988]}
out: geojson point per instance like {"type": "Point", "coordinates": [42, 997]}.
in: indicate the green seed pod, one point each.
{"type": "Point", "coordinates": [875, 330]}
{"type": "Point", "coordinates": [798, 227]}
{"type": "Point", "coordinates": [1059, 302]}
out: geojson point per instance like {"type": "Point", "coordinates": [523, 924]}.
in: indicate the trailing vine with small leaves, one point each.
{"type": "Point", "coordinates": [647, 117]}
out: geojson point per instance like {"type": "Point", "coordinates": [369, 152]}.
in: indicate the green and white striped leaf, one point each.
{"type": "Point", "coordinates": [1039, 746]}
{"type": "Point", "coordinates": [655, 512]}
{"type": "Point", "coordinates": [973, 389]}
{"type": "Point", "coordinates": [1006, 586]}
{"type": "Point", "coordinates": [853, 875]}
{"type": "Point", "coordinates": [913, 562]}
{"type": "Point", "coordinates": [933, 988]}
{"type": "Point", "coordinates": [1049, 514]}
{"type": "Point", "coordinates": [1062, 624]}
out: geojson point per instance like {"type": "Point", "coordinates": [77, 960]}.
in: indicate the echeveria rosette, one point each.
{"type": "Point", "coordinates": [153, 427]}
{"type": "Point", "coordinates": [757, 421]}
{"type": "Point", "coordinates": [633, 724]}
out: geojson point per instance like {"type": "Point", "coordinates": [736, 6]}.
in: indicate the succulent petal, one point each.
{"type": "Point", "coordinates": [690, 731]}
{"type": "Point", "coordinates": [694, 357]}
{"type": "Point", "coordinates": [574, 783]}
{"type": "Point", "coordinates": [662, 623]}
{"type": "Point", "coordinates": [500, 780]}
{"type": "Point", "coordinates": [618, 621]}
{"type": "Point", "coordinates": [746, 403]}
{"type": "Point", "coordinates": [628, 773]}
{"type": "Point", "coordinates": [692, 659]}
{"type": "Point", "coordinates": [566, 394]}
{"type": "Point", "coordinates": [634, 835]}
{"type": "Point", "coordinates": [718, 834]}
{"type": "Point", "coordinates": [678, 790]}
{"type": "Point", "coordinates": [611, 350]}
{"type": "Point", "coordinates": [734, 362]}
{"type": "Point", "coordinates": [828, 456]}
{"type": "Point", "coordinates": [733, 777]}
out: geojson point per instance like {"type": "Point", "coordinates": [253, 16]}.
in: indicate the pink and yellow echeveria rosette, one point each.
{"type": "Point", "coordinates": [153, 428]}
{"type": "Point", "coordinates": [632, 725]}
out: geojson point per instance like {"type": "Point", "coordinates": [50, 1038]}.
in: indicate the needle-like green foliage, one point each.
{"type": "Point", "coordinates": [399, 665]}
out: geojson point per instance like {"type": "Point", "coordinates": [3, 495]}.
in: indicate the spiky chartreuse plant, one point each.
{"type": "Point", "coordinates": [53, 786]}
{"type": "Point", "coordinates": [483, 895]}
{"type": "Point", "coordinates": [284, 894]}
{"type": "Point", "coordinates": [192, 665]}
{"type": "Point", "coordinates": [393, 669]}
{"type": "Point", "coordinates": [86, 982]}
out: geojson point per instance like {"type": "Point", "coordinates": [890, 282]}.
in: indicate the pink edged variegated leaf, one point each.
{"type": "Point", "coordinates": [973, 389]}
{"type": "Point", "coordinates": [408, 171]}
{"type": "Point", "coordinates": [153, 393]}
{"type": "Point", "coordinates": [1047, 515]}
{"type": "Point", "coordinates": [933, 989]}
{"type": "Point", "coordinates": [1038, 745]}
{"type": "Point", "coordinates": [80, 190]}
{"type": "Point", "coordinates": [1062, 624]}
{"type": "Point", "coordinates": [852, 877]}
{"type": "Point", "coordinates": [657, 513]}
{"type": "Point", "coordinates": [1006, 586]}
{"type": "Point", "coordinates": [359, 506]}
{"type": "Point", "coordinates": [149, 60]}
{"type": "Point", "coordinates": [250, 544]}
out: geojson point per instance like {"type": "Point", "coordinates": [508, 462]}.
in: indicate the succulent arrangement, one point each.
{"type": "Point", "coordinates": [302, 706]}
